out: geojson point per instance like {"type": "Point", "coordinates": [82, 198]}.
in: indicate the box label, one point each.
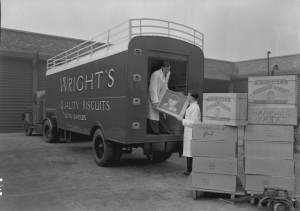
{"type": "Point", "coordinates": [272, 90]}
{"type": "Point", "coordinates": [278, 116]}
{"type": "Point", "coordinates": [225, 106]}
{"type": "Point", "coordinates": [204, 131]}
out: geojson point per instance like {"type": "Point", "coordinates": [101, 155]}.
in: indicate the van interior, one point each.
{"type": "Point", "coordinates": [177, 80]}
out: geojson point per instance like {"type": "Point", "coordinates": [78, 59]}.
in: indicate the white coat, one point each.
{"type": "Point", "coordinates": [192, 114]}
{"type": "Point", "coordinates": [157, 82]}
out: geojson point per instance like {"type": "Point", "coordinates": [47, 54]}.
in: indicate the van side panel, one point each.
{"type": "Point", "coordinates": [89, 93]}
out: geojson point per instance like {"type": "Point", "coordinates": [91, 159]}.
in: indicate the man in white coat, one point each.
{"type": "Point", "coordinates": [156, 121]}
{"type": "Point", "coordinates": [192, 115]}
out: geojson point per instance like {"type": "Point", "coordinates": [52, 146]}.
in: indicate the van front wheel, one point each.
{"type": "Point", "coordinates": [27, 128]}
{"type": "Point", "coordinates": [103, 151]}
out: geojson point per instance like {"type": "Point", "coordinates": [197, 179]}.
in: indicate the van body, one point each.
{"type": "Point", "coordinates": [100, 88]}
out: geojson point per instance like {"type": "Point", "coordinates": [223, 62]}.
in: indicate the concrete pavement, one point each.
{"type": "Point", "coordinates": [63, 176]}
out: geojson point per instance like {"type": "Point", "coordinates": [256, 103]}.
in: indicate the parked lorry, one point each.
{"type": "Point", "coordinates": [99, 88]}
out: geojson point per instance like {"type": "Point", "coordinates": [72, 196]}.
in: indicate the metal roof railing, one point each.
{"type": "Point", "coordinates": [122, 34]}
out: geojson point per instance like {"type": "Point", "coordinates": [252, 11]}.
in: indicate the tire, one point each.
{"type": "Point", "coordinates": [279, 207]}
{"type": "Point", "coordinates": [49, 134]}
{"type": "Point", "coordinates": [103, 152]}
{"type": "Point", "coordinates": [159, 156]}
{"type": "Point", "coordinates": [27, 128]}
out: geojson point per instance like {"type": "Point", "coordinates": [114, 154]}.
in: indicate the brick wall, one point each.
{"type": "Point", "coordinates": [288, 64]}
{"type": "Point", "coordinates": [216, 69]}
{"type": "Point", "coordinates": [31, 42]}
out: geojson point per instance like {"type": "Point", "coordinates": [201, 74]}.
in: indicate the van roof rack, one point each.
{"type": "Point", "coordinates": [116, 40]}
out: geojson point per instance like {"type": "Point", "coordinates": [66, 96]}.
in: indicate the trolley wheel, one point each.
{"type": "Point", "coordinates": [263, 202]}
{"type": "Point", "coordinates": [27, 128]}
{"type": "Point", "coordinates": [279, 207]}
{"type": "Point", "coordinates": [270, 205]}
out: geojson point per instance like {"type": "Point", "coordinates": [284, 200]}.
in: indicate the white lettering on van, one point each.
{"type": "Point", "coordinates": [111, 78]}
{"type": "Point", "coordinates": [87, 82]}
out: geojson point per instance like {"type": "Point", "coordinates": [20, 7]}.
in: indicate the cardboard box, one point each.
{"type": "Point", "coordinates": [218, 182]}
{"type": "Point", "coordinates": [241, 132]}
{"type": "Point", "coordinates": [297, 187]}
{"type": "Point", "coordinates": [241, 178]}
{"type": "Point", "coordinates": [215, 165]}
{"type": "Point", "coordinates": [273, 89]}
{"type": "Point", "coordinates": [274, 167]}
{"type": "Point", "coordinates": [270, 132]}
{"type": "Point", "coordinates": [257, 183]}
{"type": "Point", "coordinates": [213, 132]}
{"type": "Point", "coordinates": [225, 108]}
{"type": "Point", "coordinates": [223, 121]}
{"type": "Point", "coordinates": [223, 149]}
{"type": "Point", "coordinates": [172, 103]}
{"type": "Point", "coordinates": [272, 114]}
{"type": "Point", "coordinates": [297, 164]}
{"type": "Point", "coordinates": [297, 170]}
{"type": "Point", "coordinates": [269, 149]}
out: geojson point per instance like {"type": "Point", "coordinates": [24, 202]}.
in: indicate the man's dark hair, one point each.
{"type": "Point", "coordinates": [166, 64]}
{"type": "Point", "coordinates": [194, 94]}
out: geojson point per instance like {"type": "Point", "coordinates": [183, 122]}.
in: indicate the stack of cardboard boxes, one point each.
{"type": "Point", "coordinates": [297, 174]}
{"type": "Point", "coordinates": [215, 143]}
{"type": "Point", "coordinates": [269, 135]}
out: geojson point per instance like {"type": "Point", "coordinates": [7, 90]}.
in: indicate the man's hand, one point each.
{"type": "Point", "coordinates": [179, 118]}
{"type": "Point", "coordinates": [155, 105]}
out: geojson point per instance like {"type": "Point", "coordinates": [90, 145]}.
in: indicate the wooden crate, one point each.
{"type": "Point", "coordinates": [273, 89]}
{"type": "Point", "coordinates": [270, 114]}
{"type": "Point", "coordinates": [213, 132]}
{"type": "Point", "coordinates": [270, 132]}
{"type": "Point", "coordinates": [225, 108]}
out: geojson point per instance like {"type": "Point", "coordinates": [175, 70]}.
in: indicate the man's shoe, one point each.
{"type": "Point", "coordinates": [187, 173]}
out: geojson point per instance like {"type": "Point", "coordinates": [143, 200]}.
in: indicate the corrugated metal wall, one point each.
{"type": "Point", "coordinates": [15, 92]}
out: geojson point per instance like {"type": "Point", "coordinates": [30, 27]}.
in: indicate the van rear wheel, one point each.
{"type": "Point", "coordinates": [103, 151]}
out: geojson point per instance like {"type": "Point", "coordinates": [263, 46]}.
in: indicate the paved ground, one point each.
{"type": "Point", "coordinates": [63, 176]}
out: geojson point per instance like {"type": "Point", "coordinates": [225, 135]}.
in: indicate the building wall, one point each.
{"type": "Point", "coordinates": [32, 42]}
{"type": "Point", "coordinates": [217, 69]}
{"type": "Point", "coordinates": [286, 64]}
{"type": "Point", "coordinates": [23, 58]}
